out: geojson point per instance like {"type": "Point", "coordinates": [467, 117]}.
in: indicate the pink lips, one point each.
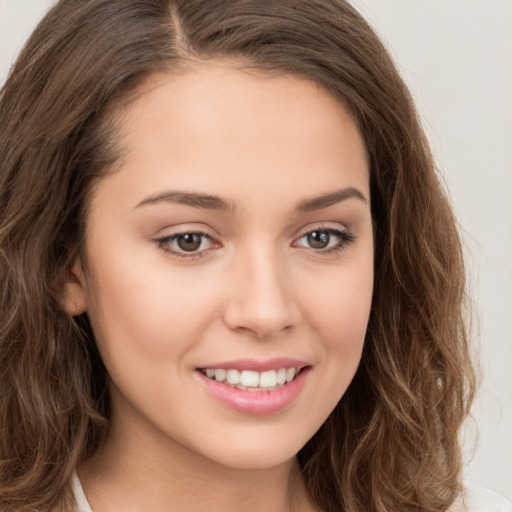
{"type": "Point", "coordinates": [256, 402]}
{"type": "Point", "coordinates": [259, 366]}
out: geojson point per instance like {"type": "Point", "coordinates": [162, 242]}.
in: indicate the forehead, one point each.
{"type": "Point", "coordinates": [218, 126]}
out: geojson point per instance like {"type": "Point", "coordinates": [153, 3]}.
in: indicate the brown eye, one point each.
{"type": "Point", "coordinates": [325, 240]}
{"type": "Point", "coordinates": [189, 242]}
{"type": "Point", "coordinates": [318, 239]}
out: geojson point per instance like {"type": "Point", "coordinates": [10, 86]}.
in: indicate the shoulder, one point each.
{"type": "Point", "coordinates": [480, 500]}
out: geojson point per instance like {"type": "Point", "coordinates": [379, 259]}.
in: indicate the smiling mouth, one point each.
{"type": "Point", "coordinates": [248, 380]}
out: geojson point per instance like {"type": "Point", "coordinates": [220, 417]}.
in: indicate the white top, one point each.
{"type": "Point", "coordinates": [472, 500]}
{"type": "Point", "coordinates": [82, 505]}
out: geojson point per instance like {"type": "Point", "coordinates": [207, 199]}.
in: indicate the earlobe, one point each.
{"type": "Point", "coordinates": [73, 291]}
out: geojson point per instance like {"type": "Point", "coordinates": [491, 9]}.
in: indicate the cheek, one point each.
{"type": "Point", "coordinates": [339, 312]}
{"type": "Point", "coordinates": [340, 307]}
{"type": "Point", "coordinates": [346, 319]}
{"type": "Point", "coordinates": [148, 310]}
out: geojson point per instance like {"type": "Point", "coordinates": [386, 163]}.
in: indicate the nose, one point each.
{"type": "Point", "coordinates": [262, 302]}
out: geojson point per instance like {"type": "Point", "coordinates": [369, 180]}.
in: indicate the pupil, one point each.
{"type": "Point", "coordinates": [318, 239]}
{"type": "Point", "coordinates": [189, 242]}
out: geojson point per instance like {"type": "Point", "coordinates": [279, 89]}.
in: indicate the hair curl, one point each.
{"type": "Point", "coordinates": [392, 441]}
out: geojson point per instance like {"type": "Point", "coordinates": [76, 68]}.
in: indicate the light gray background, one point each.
{"type": "Point", "coordinates": [456, 55]}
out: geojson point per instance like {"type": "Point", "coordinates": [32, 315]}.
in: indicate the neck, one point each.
{"type": "Point", "coordinates": [138, 472]}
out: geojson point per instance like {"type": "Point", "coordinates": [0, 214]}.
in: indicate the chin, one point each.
{"type": "Point", "coordinates": [250, 461]}
{"type": "Point", "coordinates": [251, 454]}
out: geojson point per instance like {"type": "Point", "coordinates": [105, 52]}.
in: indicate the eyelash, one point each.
{"type": "Point", "coordinates": [344, 236]}
{"type": "Point", "coordinates": [164, 242]}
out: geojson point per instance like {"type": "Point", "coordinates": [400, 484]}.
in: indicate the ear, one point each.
{"type": "Point", "coordinates": [74, 291]}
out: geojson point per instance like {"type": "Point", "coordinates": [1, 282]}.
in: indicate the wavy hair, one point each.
{"type": "Point", "coordinates": [392, 441]}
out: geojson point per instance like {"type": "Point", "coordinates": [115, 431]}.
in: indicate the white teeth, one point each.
{"type": "Point", "coordinates": [220, 375]}
{"type": "Point", "coordinates": [268, 379]}
{"type": "Point", "coordinates": [290, 374]}
{"type": "Point", "coordinates": [249, 380]}
{"type": "Point", "coordinates": [233, 377]}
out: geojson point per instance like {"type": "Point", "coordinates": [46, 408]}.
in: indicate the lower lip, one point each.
{"type": "Point", "coordinates": [255, 402]}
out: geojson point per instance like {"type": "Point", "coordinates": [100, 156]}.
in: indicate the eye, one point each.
{"type": "Point", "coordinates": [190, 242]}
{"type": "Point", "coordinates": [325, 239]}
{"type": "Point", "coordinates": [187, 244]}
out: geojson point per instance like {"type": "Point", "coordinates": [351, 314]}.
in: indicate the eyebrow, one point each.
{"type": "Point", "coordinates": [329, 199]}
{"type": "Point", "coordinates": [210, 202]}
{"type": "Point", "coordinates": [205, 201]}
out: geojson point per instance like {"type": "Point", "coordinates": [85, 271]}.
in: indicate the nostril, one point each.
{"type": "Point", "coordinates": [262, 322]}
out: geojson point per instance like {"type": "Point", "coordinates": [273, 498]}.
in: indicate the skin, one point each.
{"type": "Point", "coordinates": [256, 289]}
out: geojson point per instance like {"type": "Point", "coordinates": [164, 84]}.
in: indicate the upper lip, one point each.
{"type": "Point", "coordinates": [257, 366]}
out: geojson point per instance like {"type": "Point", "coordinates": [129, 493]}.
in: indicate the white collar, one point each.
{"type": "Point", "coordinates": [472, 500]}
{"type": "Point", "coordinates": [82, 505]}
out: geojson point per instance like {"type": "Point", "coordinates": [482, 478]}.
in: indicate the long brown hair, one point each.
{"type": "Point", "coordinates": [392, 441]}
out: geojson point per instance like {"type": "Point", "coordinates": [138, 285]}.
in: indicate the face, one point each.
{"type": "Point", "coordinates": [229, 264]}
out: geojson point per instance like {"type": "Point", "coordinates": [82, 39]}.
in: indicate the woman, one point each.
{"type": "Point", "coordinates": [230, 275]}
